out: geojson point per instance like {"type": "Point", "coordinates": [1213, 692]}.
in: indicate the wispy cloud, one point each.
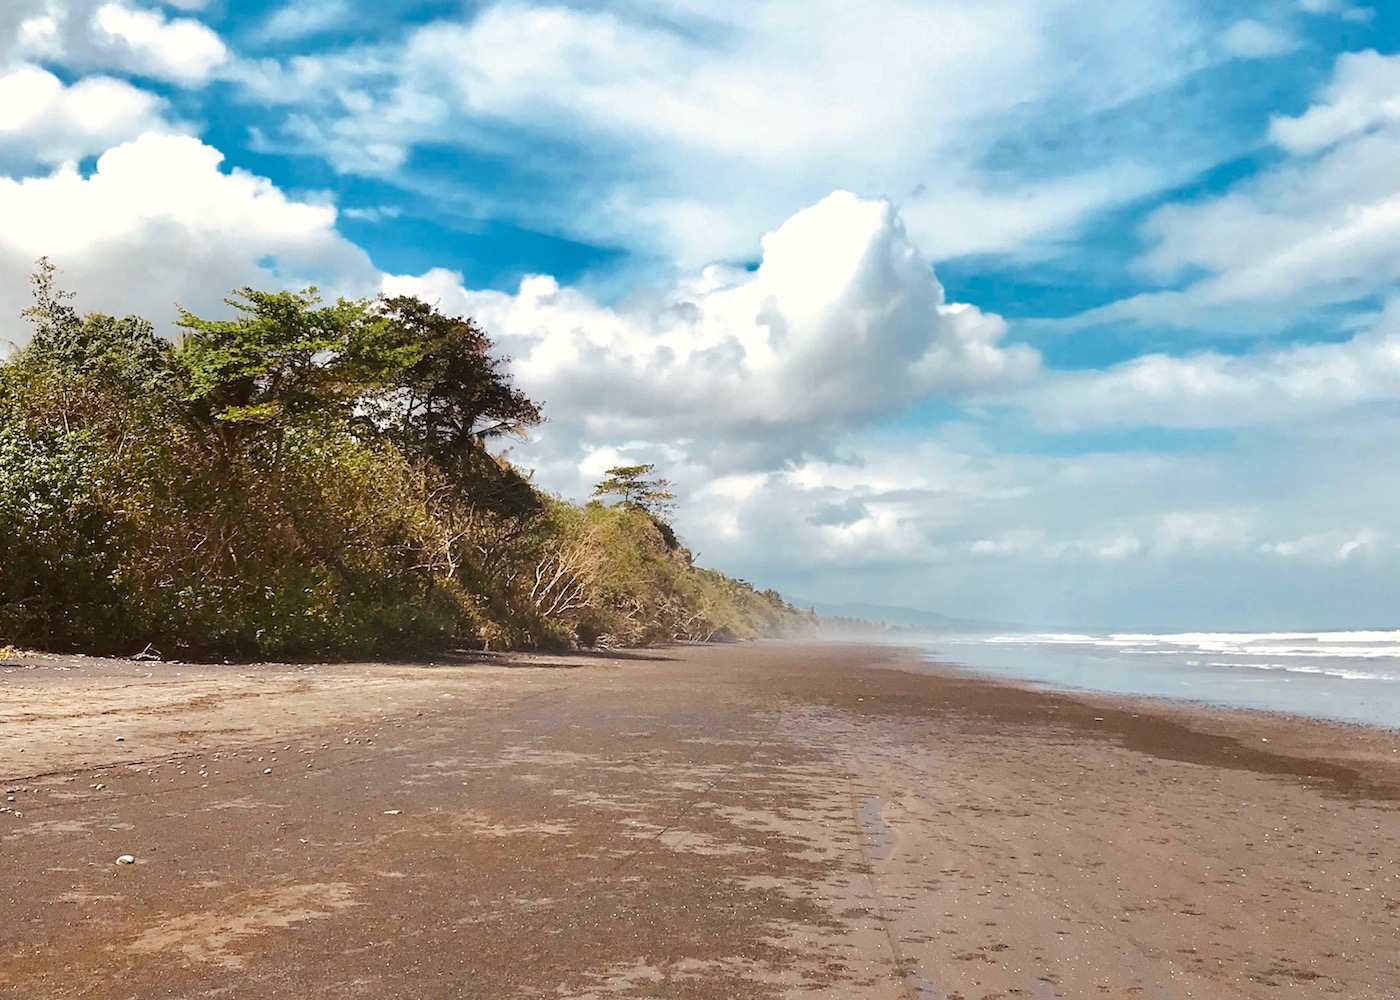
{"type": "Point", "coordinates": [701, 127]}
{"type": "Point", "coordinates": [1211, 389]}
{"type": "Point", "coordinates": [295, 21]}
{"type": "Point", "coordinates": [1321, 227]}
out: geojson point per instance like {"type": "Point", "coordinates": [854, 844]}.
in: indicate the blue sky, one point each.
{"type": "Point", "coordinates": [1077, 313]}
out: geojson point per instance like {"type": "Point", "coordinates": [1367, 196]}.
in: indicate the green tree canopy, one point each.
{"type": "Point", "coordinates": [452, 395]}
{"type": "Point", "coordinates": [639, 488]}
{"type": "Point", "coordinates": [284, 360]}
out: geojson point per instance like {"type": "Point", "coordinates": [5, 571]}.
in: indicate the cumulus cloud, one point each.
{"type": "Point", "coordinates": [841, 324]}
{"type": "Point", "coordinates": [1319, 229]}
{"type": "Point", "coordinates": [159, 221]}
{"type": "Point", "coordinates": [112, 35]}
{"type": "Point", "coordinates": [182, 49]}
{"type": "Point", "coordinates": [767, 396]}
{"type": "Point", "coordinates": [43, 120]}
{"type": "Point", "coordinates": [1167, 539]}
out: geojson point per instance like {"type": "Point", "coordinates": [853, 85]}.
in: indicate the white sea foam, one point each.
{"type": "Point", "coordinates": [1353, 644]}
{"type": "Point", "coordinates": [1346, 674]}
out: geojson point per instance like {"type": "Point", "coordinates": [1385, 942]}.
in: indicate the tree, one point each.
{"type": "Point", "coordinates": [453, 396]}
{"type": "Point", "coordinates": [447, 399]}
{"type": "Point", "coordinates": [51, 314]}
{"type": "Point", "coordinates": [639, 490]}
{"type": "Point", "coordinates": [284, 360]}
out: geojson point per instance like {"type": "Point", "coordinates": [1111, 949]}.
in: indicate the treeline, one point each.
{"type": "Point", "coordinates": [313, 480]}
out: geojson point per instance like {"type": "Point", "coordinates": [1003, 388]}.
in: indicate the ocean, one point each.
{"type": "Point", "coordinates": [1345, 676]}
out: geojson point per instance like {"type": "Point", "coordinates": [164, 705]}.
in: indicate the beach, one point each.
{"type": "Point", "coordinates": [757, 820]}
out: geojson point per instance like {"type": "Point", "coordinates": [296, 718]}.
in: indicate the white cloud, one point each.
{"type": "Point", "coordinates": [1119, 547]}
{"type": "Point", "coordinates": [1210, 389]}
{"type": "Point", "coordinates": [373, 213]}
{"type": "Point", "coordinates": [1250, 39]}
{"type": "Point", "coordinates": [1201, 529]}
{"type": "Point", "coordinates": [113, 35]}
{"type": "Point", "coordinates": [1032, 544]}
{"type": "Point", "coordinates": [1158, 535]}
{"type": "Point", "coordinates": [1332, 546]}
{"type": "Point", "coordinates": [1165, 540]}
{"type": "Point", "coordinates": [1363, 95]}
{"type": "Point", "coordinates": [1321, 228]}
{"type": "Point", "coordinates": [718, 122]}
{"type": "Point", "coordinates": [842, 324]}
{"type": "Point", "coordinates": [973, 216]}
{"type": "Point", "coordinates": [1342, 8]}
{"type": "Point", "coordinates": [36, 35]}
{"type": "Point", "coordinates": [756, 96]}
{"type": "Point", "coordinates": [182, 49]}
{"type": "Point", "coordinates": [45, 121]}
{"type": "Point", "coordinates": [157, 222]}
{"type": "Point", "coordinates": [302, 20]}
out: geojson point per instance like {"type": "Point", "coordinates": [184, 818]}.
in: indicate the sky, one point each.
{"type": "Point", "coordinates": [1073, 313]}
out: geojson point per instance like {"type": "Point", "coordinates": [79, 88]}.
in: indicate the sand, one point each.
{"type": "Point", "coordinates": [766, 820]}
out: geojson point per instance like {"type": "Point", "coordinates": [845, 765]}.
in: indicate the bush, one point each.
{"type": "Point", "coordinates": [309, 481]}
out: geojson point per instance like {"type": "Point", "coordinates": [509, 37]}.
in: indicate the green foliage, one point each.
{"type": "Point", "coordinates": [451, 396]}
{"type": "Point", "coordinates": [638, 488]}
{"type": "Point", "coordinates": [637, 585]}
{"type": "Point", "coordinates": [314, 480]}
{"type": "Point", "coordinates": [284, 362]}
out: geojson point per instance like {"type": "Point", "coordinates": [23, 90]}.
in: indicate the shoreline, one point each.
{"type": "Point", "coordinates": [1156, 703]}
{"type": "Point", "coordinates": [1285, 734]}
{"type": "Point", "coordinates": [927, 662]}
{"type": "Point", "coordinates": [1335, 683]}
{"type": "Point", "coordinates": [758, 820]}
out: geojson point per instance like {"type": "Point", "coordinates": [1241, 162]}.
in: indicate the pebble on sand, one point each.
{"type": "Point", "coordinates": [126, 859]}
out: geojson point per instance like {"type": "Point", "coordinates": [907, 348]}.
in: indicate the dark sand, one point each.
{"type": "Point", "coordinates": [760, 821]}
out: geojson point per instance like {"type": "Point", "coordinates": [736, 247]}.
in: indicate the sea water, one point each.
{"type": "Point", "coordinates": [1348, 676]}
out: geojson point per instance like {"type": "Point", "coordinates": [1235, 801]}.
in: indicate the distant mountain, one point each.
{"type": "Point", "coordinates": [911, 618]}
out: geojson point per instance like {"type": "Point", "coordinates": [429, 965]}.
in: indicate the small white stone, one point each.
{"type": "Point", "coordinates": [268, 771]}
{"type": "Point", "coordinates": [126, 859]}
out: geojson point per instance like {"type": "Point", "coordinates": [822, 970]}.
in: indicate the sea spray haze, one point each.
{"type": "Point", "coordinates": [311, 479]}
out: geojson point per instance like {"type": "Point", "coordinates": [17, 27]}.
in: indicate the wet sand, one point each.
{"type": "Point", "coordinates": [759, 821]}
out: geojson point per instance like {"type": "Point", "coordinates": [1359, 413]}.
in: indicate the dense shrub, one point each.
{"type": "Point", "coordinates": [313, 480]}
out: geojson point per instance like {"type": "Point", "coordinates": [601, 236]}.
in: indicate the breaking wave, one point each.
{"type": "Point", "coordinates": [1352, 675]}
